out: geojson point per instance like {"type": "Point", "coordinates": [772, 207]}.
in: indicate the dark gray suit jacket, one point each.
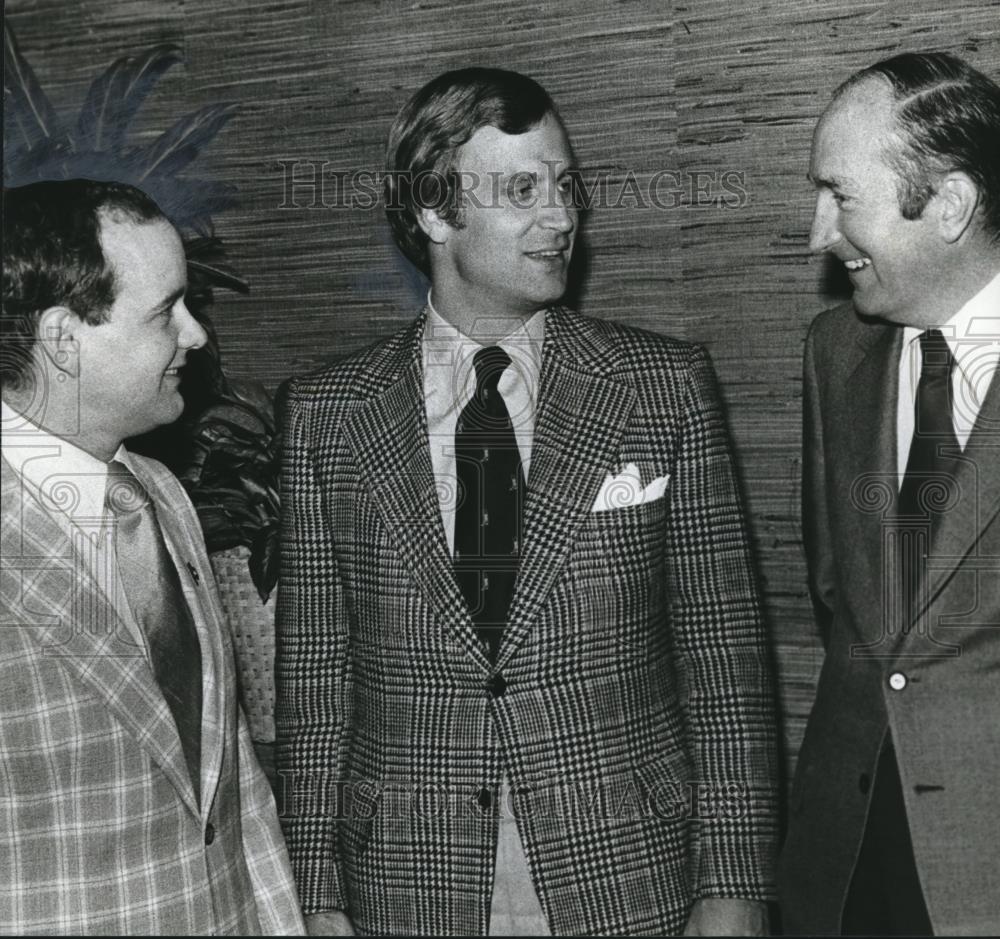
{"type": "Point", "coordinates": [937, 690]}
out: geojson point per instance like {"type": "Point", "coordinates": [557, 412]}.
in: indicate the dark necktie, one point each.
{"type": "Point", "coordinates": [928, 484]}
{"type": "Point", "coordinates": [933, 431]}
{"type": "Point", "coordinates": [488, 520]}
{"type": "Point", "coordinates": [157, 602]}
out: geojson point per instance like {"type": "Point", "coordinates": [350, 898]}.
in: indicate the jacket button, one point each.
{"type": "Point", "coordinates": [209, 833]}
{"type": "Point", "coordinates": [897, 681]}
{"type": "Point", "coordinates": [864, 783]}
{"type": "Point", "coordinates": [485, 798]}
{"type": "Point", "coordinates": [497, 685]}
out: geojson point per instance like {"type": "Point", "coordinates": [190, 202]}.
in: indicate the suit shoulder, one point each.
{"type": "Point", "coordinates": [167, 483]}
{"type": "Point", "coordinates": [153, 467]}
{"type": "Point", "coordinates": [632, 348]}
{"type": "Point", "coordinates": [353, 373]}
{"type": "Point", "coordinates": [836, 325]}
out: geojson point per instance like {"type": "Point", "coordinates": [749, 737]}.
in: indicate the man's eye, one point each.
{"type": "Point", "coordinates": [522, 187]}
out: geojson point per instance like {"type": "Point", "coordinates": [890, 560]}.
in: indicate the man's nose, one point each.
{"type": "Point", "coordinates": [825, 231]}
{"type": "Point", "coordinates": [192, 334]}
{"type": "Point", "coordinates": [558, 212]}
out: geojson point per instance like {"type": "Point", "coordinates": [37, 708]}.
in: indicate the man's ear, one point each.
{"type": "Point", "coordinates": [958, 199]}
{"type": "Point", "coordinates": [435, 227]}
{"type": "Point", "coordinates": [58, 339]}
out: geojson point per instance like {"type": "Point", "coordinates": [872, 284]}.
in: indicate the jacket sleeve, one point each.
{"type": "Point", "coordinates": [723, 669]}
{"type": "Point", "coordinates": [264, 846]}
{"type": "Point", "coordinates": [312, 673]}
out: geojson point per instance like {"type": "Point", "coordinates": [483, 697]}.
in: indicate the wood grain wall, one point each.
{"type": "Point", "coordinates": [704, 87]}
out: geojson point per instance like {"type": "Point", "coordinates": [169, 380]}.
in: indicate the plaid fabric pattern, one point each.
{"type": "Point", "coordinates": [634, 717]}
{"type": "Point", "coordinates": [100, 832]}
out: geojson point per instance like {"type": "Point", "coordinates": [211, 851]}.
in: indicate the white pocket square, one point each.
{"type": "Point", "coordinates": [625, 489]}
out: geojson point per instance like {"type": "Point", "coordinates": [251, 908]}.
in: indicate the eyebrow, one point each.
{"type": "Point", "coordinates": [170, 300]}
{"type": "Point", "coordinates": [567, 170]}
{"type": "Point", "coordinates": [820, 182]}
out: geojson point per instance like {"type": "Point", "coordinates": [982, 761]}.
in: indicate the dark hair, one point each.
{"type": "Point", "coordinates": [52, 256]}
{"type": "Point", "coordinates": [428, 131]}
{"type": "Point", "coordinates": [948, 114]}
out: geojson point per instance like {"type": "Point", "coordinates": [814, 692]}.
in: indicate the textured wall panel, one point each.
{"type": "Point", "coordinates": [718, 98]}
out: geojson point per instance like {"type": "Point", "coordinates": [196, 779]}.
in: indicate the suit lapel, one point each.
{"type": "Point", "coordinates": [581, 416]}
{"type": "Point", "coordinates": [389, 439]}
{"type": "Point", "coordinates": [873, 389]}
{"type": "Point", "coordinates": [871, 393]}
{"type": "Point", "coordinates": [77, 625]}
{"type": "Point", "coordinates": [195, 576]}
{"type": "Point", "coordinates": [977, 482]}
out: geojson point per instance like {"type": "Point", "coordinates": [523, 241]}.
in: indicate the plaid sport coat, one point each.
{"type": "Point", "coordinates": [630, 705]}
{"type": "Point", "coordinates": [100, 832]}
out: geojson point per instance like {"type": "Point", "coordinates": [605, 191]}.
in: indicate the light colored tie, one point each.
{"type": "Point", "coordinates": [157, 602]}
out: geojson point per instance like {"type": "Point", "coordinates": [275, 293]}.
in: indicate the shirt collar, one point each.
{"type": "Point", "coordinates": [975, 326]}
{"type": "Point", "coordinates": [523, 345]}
{"type": "Point", "coordinates": [65, 478]}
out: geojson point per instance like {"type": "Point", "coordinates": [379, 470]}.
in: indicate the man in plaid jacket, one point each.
{"type": "Point", "coordinates": [602, 759]}
{"type": "Point", "coordinates": [116, 815]}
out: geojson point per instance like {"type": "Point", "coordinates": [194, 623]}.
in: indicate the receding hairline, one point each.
{"type": "Point", "coordinates": [896, 136]}
{"type": "Point", "coordinates": [124, 215]}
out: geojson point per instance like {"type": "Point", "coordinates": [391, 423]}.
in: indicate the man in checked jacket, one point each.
{"type": "Point", "coordinates": [522, 678]}
{"type": "Point", "coordinates": [131, 802]}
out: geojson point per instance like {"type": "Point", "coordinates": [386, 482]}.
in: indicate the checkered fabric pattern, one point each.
{"type": "Point", "coordinates": [631, 702]}
{"type": "Point", "coordinates": [100, 832]}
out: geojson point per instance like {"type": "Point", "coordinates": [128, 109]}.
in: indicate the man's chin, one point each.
{"type": "Point", "coordinates": [869, 308]}
{"type": "Point", "coordinates": [169, 409]}
{"type": "Point", "coordinates": [868, 305]}
{"type": "Point", "coordinates": [548, 295]}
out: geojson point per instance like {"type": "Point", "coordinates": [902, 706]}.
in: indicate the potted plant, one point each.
{"type": "Point", "coordinates": [223, 448]}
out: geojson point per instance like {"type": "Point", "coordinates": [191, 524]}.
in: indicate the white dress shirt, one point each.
{"type": "Point", "coordinates": [973, 335]}
{"type": "Point", "coordinates": [70, 485]}
{"type": "Point", "coordinates": [449, 384]}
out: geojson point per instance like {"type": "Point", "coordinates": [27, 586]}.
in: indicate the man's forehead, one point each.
{"type": "Point", "coordinates": [125, 235]}
{"type": "Point", "coordinates": [855, 130]}
{"type": "Point", "coordinates": [147, 258]}
{"type": "Point", "coordinates": [492, 149]}
{"type": "Point", "coordinates": [869, 105]}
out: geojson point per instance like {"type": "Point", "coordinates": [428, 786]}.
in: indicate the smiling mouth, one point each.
{"type": "Point", "coordinates": [858, 264]}
{"type": "Point", "coordinates": [556, 254]}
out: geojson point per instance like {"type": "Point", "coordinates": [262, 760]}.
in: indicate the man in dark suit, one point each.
{"type": "Point", "coordinates": [130, 799]}
{"type": "Point", "coordinates": [521, 670]}
{"type": "Point", "coordinates": [893, 816]}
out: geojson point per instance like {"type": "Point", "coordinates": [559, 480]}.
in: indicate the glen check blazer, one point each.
{"type": "Point", "coordinates": [943, 708]}
{"type": "Point", "coordinates": [100, 832]}
{"type": "Point", "coordinates": [630, 705]}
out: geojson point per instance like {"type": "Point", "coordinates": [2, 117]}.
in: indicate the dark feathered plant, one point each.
{"type": "Point", "coordinates": [223, 447]}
